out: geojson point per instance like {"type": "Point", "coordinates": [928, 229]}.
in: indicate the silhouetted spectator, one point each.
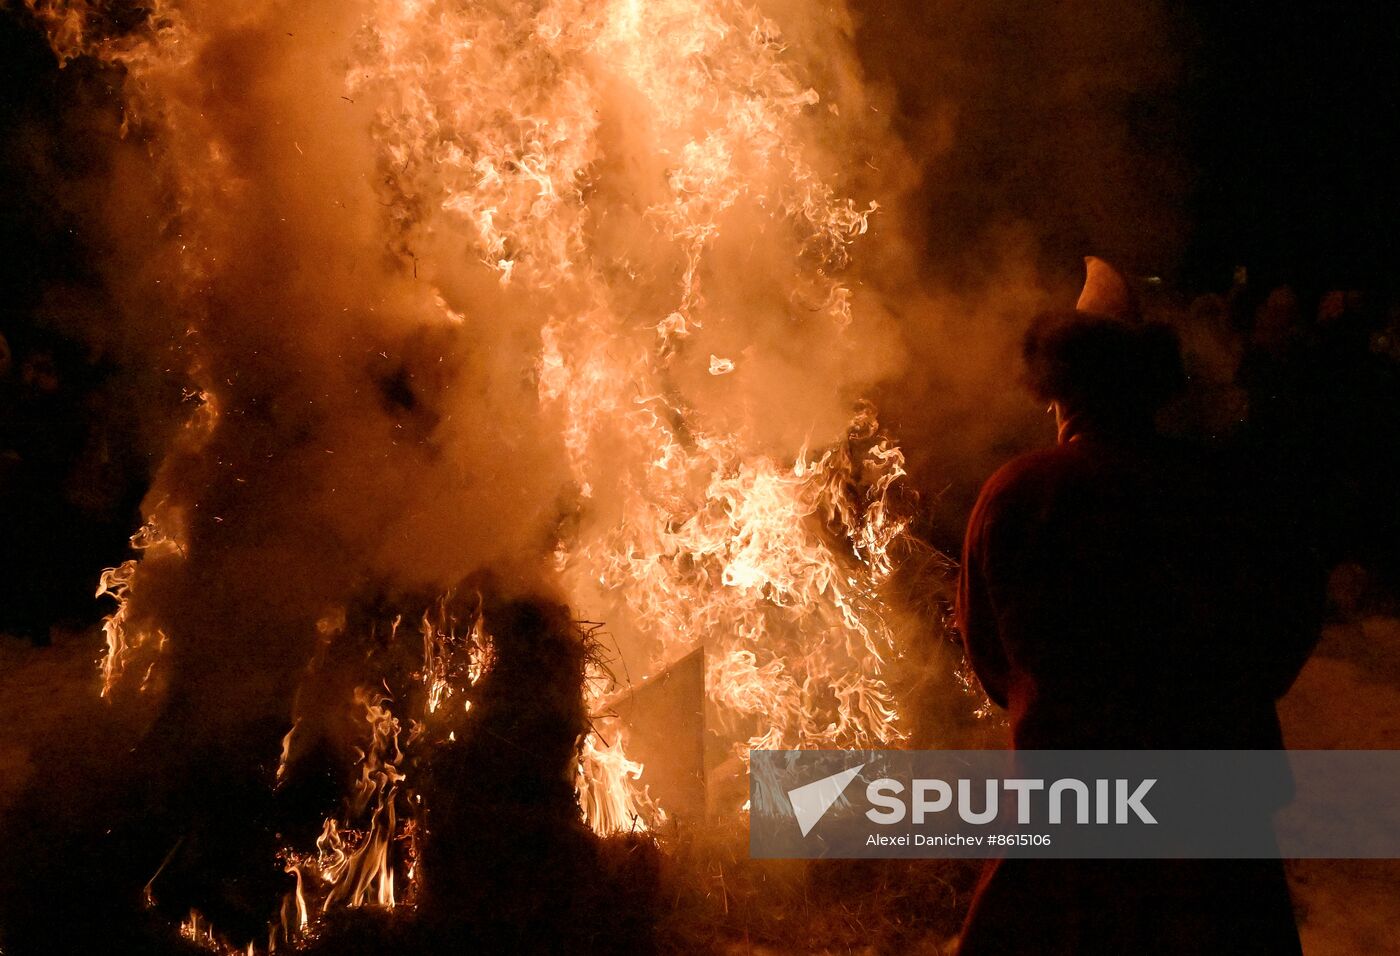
{"type": "Point", "coordinates": [1117, 593]}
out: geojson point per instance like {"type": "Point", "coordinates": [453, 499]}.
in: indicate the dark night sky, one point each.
{"type": "Point", "coordinates": [1295, 118]}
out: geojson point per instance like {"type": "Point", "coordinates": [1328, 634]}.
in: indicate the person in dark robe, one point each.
{"type": "Point", "coordinates": [1118, 592]}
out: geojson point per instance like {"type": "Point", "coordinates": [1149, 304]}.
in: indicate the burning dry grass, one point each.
{"type": "Point", "coordinates": [62, 886]}
{"type": "Point", "coordinates": [79, 851]}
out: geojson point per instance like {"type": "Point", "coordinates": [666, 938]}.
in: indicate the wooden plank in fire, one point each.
{"type": "Point", "coordinates": [665, 721]}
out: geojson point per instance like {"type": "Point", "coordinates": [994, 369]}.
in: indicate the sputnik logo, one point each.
{"type": "Point", "coordinates": [811, 801]}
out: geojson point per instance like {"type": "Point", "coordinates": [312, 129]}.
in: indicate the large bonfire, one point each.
{"type": "Point", "coordinates": [486, 310]}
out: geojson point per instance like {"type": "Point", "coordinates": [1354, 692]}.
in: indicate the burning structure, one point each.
{"type": "Point", "coordinates": [491, 320]}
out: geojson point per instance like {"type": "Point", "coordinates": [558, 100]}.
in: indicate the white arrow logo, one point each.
{"type": "Point", "coordinates": [811, 801]}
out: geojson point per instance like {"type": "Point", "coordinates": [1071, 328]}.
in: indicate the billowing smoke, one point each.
{"type": "Point", "coordinates": [581, 301]}
{"type": "Point", "coordinates": [433, 287]}
{"type": "Point", "coordinates": [345, 439]}
{"type": "Point", "coordinates": [1033, 136]}
{"type": "Point", "coordinates": [545, 299]}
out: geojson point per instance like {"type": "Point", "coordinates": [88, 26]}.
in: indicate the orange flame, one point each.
{"type": "Point", "coordinates": [653, 191]}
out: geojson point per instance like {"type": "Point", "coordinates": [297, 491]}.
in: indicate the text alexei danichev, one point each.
{"type": "Point", "coordinates": [959, 839]}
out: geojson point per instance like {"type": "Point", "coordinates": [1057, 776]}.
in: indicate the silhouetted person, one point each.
{"type": "Point", "coordinates": [1117, 594]}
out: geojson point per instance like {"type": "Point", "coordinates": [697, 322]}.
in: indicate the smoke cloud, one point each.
{"type": "Point", "coordinates": [1031, 138]}
{"type": "Point", "coordinates": [505, 290]}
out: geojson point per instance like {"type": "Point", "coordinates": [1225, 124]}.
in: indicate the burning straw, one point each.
{"type": "Point", "coordinates": [487, 311]}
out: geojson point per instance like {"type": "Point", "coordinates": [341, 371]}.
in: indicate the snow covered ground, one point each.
{"type": "Point", "coordinates": [1348, 698]}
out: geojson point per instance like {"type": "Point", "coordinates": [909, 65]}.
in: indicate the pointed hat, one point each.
{"type": "Point", "coordinates": [1105, 291]}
